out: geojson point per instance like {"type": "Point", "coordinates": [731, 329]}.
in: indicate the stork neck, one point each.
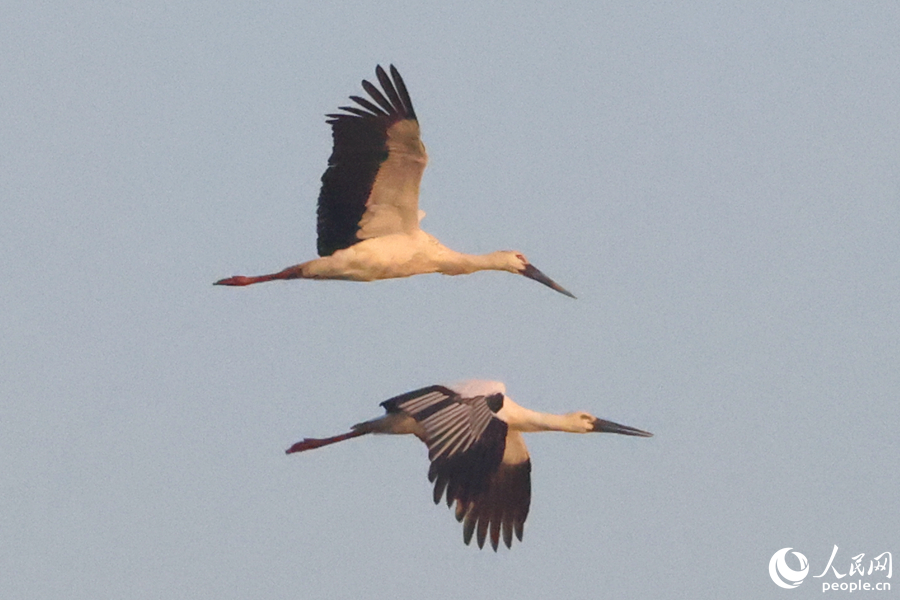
{"type": "Point", "coordinates": [524, 419]}
{"type": "Point", "coordinates": [464, 264]}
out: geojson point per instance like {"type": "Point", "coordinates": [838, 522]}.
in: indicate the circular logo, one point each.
{"type": "Point", "coordinates": [782, 574]}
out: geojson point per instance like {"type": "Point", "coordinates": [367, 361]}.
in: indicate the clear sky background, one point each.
{"type": "Point", "coordinates": [718, 185]}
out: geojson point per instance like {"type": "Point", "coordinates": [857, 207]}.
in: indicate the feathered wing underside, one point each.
{"type": "Point", "coordinates": [371, 185]}
{"type": "Point", "coordinates": [471, 462]}
{"type": "Point", "coordinates": [503, 508]}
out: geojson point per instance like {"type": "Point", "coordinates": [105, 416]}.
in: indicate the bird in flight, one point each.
{"type": "Point", "coordinates": [478, 456]}
{"type": "Point", "coordinates": [368, 215]}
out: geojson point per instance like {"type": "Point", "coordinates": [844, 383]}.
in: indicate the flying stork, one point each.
{"type": "Point", "coordinates": [478, 456]}
{"type": "Point", "coordinates": [368, 215]}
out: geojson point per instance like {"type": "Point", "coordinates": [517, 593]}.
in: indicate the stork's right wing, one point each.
{"type": "Point", "coordinates": [475, 460]}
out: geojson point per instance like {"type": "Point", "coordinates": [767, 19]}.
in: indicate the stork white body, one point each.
{"type": "Point", "coordinates": [478, 455]}
{"type": "Point", "coordinates": [368, 215]}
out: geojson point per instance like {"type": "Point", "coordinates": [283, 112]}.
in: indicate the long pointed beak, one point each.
{"type": "Point", "coordinates": [532, 272]}
{"type": "Point", "coordinates": [602, 426]}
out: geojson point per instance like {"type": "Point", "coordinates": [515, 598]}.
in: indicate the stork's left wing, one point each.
{"type": "Point", "coordinates": [371, 185]}
{"type": "Point", "coordinates": [475, 460]}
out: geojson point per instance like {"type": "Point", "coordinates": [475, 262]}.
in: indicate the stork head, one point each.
{"type": "Point", "coordinates": [517, 263]}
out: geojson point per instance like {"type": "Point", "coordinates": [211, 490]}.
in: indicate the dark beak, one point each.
{"type": "Point", "coordinates": [532, 272]}
{"type": "Point", "coordinates": [601, 426]}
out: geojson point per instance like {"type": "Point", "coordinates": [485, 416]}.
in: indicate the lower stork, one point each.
{"type": "Point", "coordinates": [478, 456]}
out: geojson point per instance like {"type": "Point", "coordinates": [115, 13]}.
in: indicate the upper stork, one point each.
{"type": "Point", "coordinates": [478, 456]}
{"type": "Point", "coordinates": [368, 216]}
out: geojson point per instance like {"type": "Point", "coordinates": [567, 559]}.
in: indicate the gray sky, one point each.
{"type": "Point", "coordinates": [718, 185]}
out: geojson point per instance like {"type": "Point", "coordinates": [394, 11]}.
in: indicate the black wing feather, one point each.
{"type": "Point", "coordinates": [378, 97]}
{"type": "Point", "coordinates": [374, 110]}
{"type": "Point", "coordinates": [404, 95]}
{"type": "Point", "coordinates": [351, 109]}
{"type": "Point", "coordinates": [503, 508]}
{"type": "Point", "coordinates": [388, 87]}
{"type": "Point", "coordinates": [360, 136]}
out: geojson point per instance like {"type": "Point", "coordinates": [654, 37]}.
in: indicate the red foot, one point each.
{"type": "Point", "coordinates": [305, 444]}
{"type": "Point", "coordinates": [310, 443]}
{"type": "Point", "coordinates": [236, 280]}
{"type": "Point", "coordinates": [295, 272]}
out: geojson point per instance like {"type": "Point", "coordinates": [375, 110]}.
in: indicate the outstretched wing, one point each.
{"type": "Point", "coordinates": [371, 185]}
{"type": "Point", "coordinates": [475, 460]}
